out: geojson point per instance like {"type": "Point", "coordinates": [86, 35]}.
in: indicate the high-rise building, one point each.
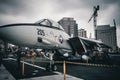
{"type": "Point", "coordinates": [70, 26]}
{"type": "Point", "coordinates": [107, 34]}
{"type": "Point", "coordinates": [82, 33]}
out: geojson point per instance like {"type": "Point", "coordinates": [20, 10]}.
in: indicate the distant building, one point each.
{"type": "Point", "coordinates": [107, 34]}
{"type": "Point", "coordinates": [70, 26]}
{"type": "Point", "coordinates": [82, 33]}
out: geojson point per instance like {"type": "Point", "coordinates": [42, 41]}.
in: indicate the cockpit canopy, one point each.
{"type": "Point", "coordinates": [49, 23]}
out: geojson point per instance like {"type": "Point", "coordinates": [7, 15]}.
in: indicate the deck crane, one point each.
{"type": "Point", "coordinates": [94, 16]}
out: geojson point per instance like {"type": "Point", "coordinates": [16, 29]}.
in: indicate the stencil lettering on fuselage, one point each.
{"type": "Point", "coordinates": [40, 32]}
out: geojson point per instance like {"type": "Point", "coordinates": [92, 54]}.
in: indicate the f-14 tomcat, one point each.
{"type": "Point", "coordinates": [48, 35]}
{"type": "Point", "coordinates": [44, 34]}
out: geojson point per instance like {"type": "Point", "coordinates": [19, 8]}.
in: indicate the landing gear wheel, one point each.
{"type": "Point", "coordinates": [52, 67]}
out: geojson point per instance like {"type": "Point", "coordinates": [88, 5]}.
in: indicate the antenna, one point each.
{"type": "Point", "coordinates": [94, 16]}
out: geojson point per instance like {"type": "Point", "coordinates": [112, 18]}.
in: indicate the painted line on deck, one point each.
{"type": "Point", "coordinates": [27, 63]}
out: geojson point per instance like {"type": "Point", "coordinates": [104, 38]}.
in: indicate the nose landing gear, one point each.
{"type": "Point", "coordinates": [51, 66]}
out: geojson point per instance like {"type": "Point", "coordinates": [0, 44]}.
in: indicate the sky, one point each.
{"type": "Point", "coordinates": [30, 11]}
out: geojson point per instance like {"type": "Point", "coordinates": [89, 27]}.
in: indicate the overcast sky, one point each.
{"type": "Point", "coordinates": [20, 11]}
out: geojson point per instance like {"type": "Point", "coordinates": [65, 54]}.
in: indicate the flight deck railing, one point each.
{"type": "Point", "coordinates": [33, 61]}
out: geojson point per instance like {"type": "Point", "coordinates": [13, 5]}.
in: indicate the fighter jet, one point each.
{"type": "Point", "coordinates": [44, 34]}
{"type": "Point", "coordinates": [47, 35]}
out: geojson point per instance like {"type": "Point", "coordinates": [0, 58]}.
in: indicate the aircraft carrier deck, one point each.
{"type": "Point", "coordinates": [75, 71]}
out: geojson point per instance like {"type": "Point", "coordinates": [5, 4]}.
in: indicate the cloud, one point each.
{"type": "Point", "coordinates": [11, 7]}
{"type": "Point", "coordinates": [81, 10]}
